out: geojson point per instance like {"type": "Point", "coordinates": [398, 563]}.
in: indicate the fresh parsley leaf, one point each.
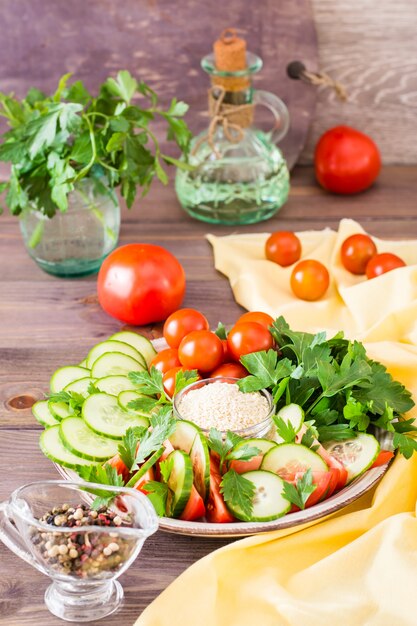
{"type": "Point", "coordinates": [92, 389]}
{"type": "Point", "coordinates": [127, 448]}
{"type": "Point", "coordinates": [310, 436]}
{"type": "Point", "coordinates": [334, 378]}
{"type": "Point", "coordinates": [145, 404]}
{"type": "Point", "coordinates": [405, 426]}
{"type": "Point", "coordinates": [166, 468]}
{"type": "Point", "coordinates": [336, 432]}
{"type": "Point", "coordinates": [298, 494]}
{"type": "Point", "coordinates": [185, 378]}
{"type": "Point", "coordinates": [266, 369]}
{"type": "Point", "coordinates": [382, 389]}
{"type": "Point", "coordinates": [239, 492]}
{"type": "Point", "coordinates": [103, 475]}
{"type": "Point", "coordinates": [149, 383]}
{"type": "Point", "coordinates": [243, 453]}
{"type": "Point", "coordinates": [153, 439]}
{"type": "Point", "coordinates": [221, 331]}
{"type": "Point", "coordinates": [284, 429]}
{"type": "Point", "coordinates": [405, 444]}
{"type": "Point", "coordinates": [73, 399]}
{"type": "Point", "coordinates": [157, 494]}
{"type": "Point", "coordinates": [356, 414]}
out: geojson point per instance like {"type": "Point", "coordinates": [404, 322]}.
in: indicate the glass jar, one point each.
{"type": "Point", "coordinates": [262, 428]}
{"type": "Point", "coordinates": [76, 241]}
{"type": "Point", "coordinates": [84, 586]}
{"type": "Point", "coordinates": [240, 175]}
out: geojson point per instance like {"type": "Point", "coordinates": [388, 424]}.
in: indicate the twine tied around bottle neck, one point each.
{"type": "Point", "coordinates": [233, 119]}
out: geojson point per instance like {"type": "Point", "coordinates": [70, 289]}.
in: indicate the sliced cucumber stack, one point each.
{"type": "Point", "coordinates": [287, 459]}
{"type": "Point", "coordinates": [52, 446]}
{"type": "Point", "coordinates": [42, 413]}
{"type": "Point", "coordinates": [84, 442]}
{"type": "Point", "coordinates": [179, 482]}
{"type": "Point", "coordinates": [113, 346]}
{"type": "Point", "coordinates": [268, 501]}
{"type": "Point", "coordinates": [140, 343]}
{"type": "Point", "coordinates": [66, 375]}
{"type": "Point", "coordinates": [103, 414]}
{"type": "Point", "coordinates": [357, 454]}
{"type": "Point", "coordinates": [115, 363]}
{"type": "Point", "coordinates": [114, 385]}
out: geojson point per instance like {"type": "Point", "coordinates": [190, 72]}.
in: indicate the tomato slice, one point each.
{"type": "Point", "coordinates": [383, 457]}
{"type": "Point", "coordinates": [119, 466]}
{"type": "Point", "coordinates": [246, 466]}
{"type": "Point", "coordinates": [194, 509]}
{"type": "Point", "coordinates": [322, 480]}
{"type": "Point", "coordinates": [334, 463]}
{"type": "Point", "coordinates": [141, 484]}
{"type": "Point", "coordinates": [216, 509]}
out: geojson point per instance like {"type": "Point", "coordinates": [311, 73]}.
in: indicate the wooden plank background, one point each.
{"type": "Point", "coordinates": [371, 47]}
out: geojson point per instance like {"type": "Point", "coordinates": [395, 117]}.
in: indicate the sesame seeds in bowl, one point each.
{"type": "Point", "coordinates": [219, 403]}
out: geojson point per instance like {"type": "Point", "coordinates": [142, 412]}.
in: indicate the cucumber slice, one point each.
{"type": "Point", "coordinates": [60, 410]}
{"type": "Point", "coordinates": [189, 438]}
{"type": "Point", "coordinates": [42, 413]}
{"type": "Point", "coordinates": [357, 454]}
{"type": "Point", "coordinates": [268, 502]}
{"type": "Point", "coordinates": [66, 375]}
{"type": "Point", "coordinates": [200, 460]}
{"type": "Point", "coordinates": [125, 397]}
{"type": "Point", "coordinates": [264, 445]}
{"type": "Point", "coordinates": [80, 386]}
{"type": "Point", "coordinates": [286, 459]}
{"type": "Point", "coordinates": [51, 445]}
{"type": "Point", "coordinates": [180, 482]}
{"type": "Point", "coordinates": [79, 439]}
{"type": "Point", "coordinates": [141, 343]}
{"type": "Point", "coordinates": [291, 414]}
{"type": "Point", "coordinates": [113, 385]}
{"type": "Point", "coordinates": [115, 363]}
{"type": "Point", "coordinates": [113, 346]}
{"type": "Point", "coordinates": [103, 414]}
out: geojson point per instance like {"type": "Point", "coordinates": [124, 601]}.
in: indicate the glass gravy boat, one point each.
{"type": "Point", "coordinates": [82, 560]}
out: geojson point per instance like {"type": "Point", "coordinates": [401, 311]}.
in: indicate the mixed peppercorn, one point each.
{"type": "Point", "coordinates": [83, 553]}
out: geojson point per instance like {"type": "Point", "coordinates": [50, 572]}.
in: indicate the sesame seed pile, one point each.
{"type": "Point", "coordinates": [223, 406]}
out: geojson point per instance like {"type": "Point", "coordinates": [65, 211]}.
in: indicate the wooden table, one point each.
{"type": "Point", "coordinates": [46, 323]}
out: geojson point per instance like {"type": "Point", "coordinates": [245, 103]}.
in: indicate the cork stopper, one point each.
{"type": "Point", "coordinates": [230, 56]}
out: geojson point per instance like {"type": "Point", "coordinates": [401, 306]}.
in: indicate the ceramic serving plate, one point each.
{"type": "Point", "coordinates": [241, 529]}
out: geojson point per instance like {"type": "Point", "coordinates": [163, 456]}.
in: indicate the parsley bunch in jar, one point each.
{"type": "Point", "coordinates": [69, 151]}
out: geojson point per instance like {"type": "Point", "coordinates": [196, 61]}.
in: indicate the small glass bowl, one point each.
{"type": "Point", "coordinates": [87, 590]}
{"type": "Point", "coordinates": [263, 428]}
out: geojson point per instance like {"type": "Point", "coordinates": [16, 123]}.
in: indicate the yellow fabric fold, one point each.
{"type": "Point", "coordinates": [358, 567]}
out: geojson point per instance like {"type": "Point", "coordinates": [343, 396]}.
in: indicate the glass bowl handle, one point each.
{"type": "Point", "coordinates": [278, 110]}
{"type": "Point", "coordinates": [11, 538]}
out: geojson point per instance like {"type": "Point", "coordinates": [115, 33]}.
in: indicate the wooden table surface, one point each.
{"type": "Point", "coordinates": [47, 322]}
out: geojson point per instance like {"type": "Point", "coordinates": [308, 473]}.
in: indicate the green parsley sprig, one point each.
{"type": "Point", "coordinates": [55, 141]}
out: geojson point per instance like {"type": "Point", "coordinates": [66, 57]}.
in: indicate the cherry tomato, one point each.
{"type": "Point", "coordinates": [383, 263]}
{"type": "Point", "coordinates": [226, 354]}
{"type": "Point", "coordinates": [283, 247]}
{"type": "Point", "coordinates": [309, 280]}
{"type": "Point", "coordinates": [257, 316]}
{"type": "Point", "coordinates": [166, 360]}
{"type": "Point", "coordinates": [383, 457]}
{"type": "Point", "coordinates": [194, 509]}
{"type": "Point", "coordinates": [182, 322]}
{"type": "Point", "coordinates": [346, 161]}
{"type": "Point", "coordinates": [140, 283]}
{"type": "Point", "coordinates": [216, 509]}
{"type": "Point", "coordinates": [234, 370]}
{"type": "Point", "coordinates": [356, 252]}
{"type": "Point", "coordinates": [169, 378]}
{"type": "Point", "coordinates": [248, 337]}
{"type": "Point", "coordinates": [201, 350]}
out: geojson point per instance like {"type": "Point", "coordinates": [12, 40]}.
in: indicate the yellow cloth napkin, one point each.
{"type": "Point", "coordinates": [358, 567]}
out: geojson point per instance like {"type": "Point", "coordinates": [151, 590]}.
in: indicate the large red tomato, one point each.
{"type": "Point", "coordinates": [346, 160]}
{"type": "Point", "coordinates": [140, 283]}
